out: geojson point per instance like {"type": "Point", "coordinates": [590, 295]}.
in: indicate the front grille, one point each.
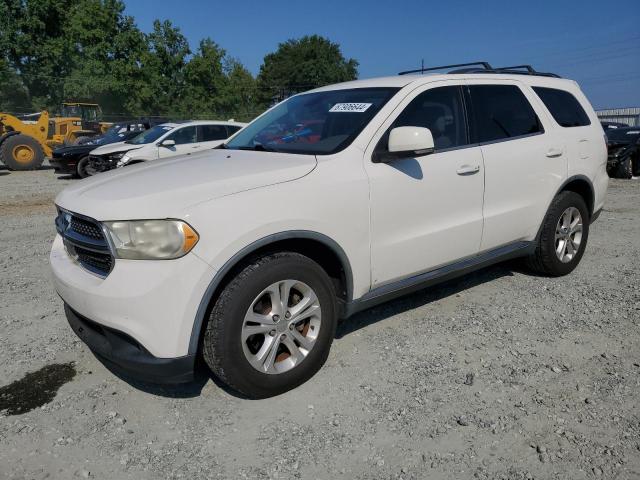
{"type": "Point", "coordinates": [84, 227]}
{"type": "Point", "coordinates": [102, 163]}
{"type": "Point", "coordinates": [85, 242]}
{"type": "Point", "coordinates": [94, 260]}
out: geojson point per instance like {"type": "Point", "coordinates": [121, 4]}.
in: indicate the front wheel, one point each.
{"type": "Point", "coordinates": [624, 169]}
{"type": "Point", "coordinates": [21, 152]}
{"type": "Point", "coordinates": [84, 168]}
{"type": "Point", "coordinates": [563, 236]}
{"type": "Point", "coordinates": [272, 326]}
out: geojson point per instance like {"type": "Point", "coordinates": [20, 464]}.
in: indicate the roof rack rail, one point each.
{"type": "Point", "coordinates": [529, 71]}
{"type": "Point", "coordinates": [485, 65]}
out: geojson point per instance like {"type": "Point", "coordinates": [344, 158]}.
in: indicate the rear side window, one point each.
{"type": "Point", "coordinates": [232, 129]}
{"type": "Point", "coordinates": [209, 133]}
{"type": "Point", "coordinates": [564, 107]}
{"type": "Point", "coordinates": [501, 112]}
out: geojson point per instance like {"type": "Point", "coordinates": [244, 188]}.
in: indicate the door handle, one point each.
{"type": "Point", "coordinates": [468, 169]}
{"type": "Point", "coordinates": [554, 152]}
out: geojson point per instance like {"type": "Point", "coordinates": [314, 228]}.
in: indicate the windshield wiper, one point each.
{"type": "Point", "coordinates": [258, 147]}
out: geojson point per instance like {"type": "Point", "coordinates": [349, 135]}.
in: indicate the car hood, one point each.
{"type": "Point", "coordinates": [166, 188]}
{"type": "Point", "coordinates": [116, 147]}
{"type": "Point", "coordinates": [73, 150]}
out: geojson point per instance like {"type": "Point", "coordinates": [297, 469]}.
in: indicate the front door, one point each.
{"type": "Point", "coordinates": [186, 138]}
{"type": "Point", "coordinates": [426, 211]}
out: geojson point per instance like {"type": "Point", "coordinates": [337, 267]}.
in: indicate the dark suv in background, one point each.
{"type": "Point", "coordinates": [623, 145]}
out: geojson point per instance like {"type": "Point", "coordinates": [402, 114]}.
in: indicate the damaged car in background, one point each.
{"type": "Point", "coordinates": [74, 159]}
{"type": "Point", "coordinates": [623, 145]}
{"type": "Point", "coordinates": [163, 141]}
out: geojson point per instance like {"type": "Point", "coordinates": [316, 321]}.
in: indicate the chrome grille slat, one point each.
{"type": "Point", "coordinates": [85, 242]}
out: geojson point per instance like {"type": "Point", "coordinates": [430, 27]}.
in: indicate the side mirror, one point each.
{"type": "Point", "coordinates": [407, 142]}
{"type": "Point", "coordinates": [168, 143]}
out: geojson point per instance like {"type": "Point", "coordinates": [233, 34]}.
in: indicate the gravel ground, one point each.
{"type": "Point", "coordinates": [499, 375]}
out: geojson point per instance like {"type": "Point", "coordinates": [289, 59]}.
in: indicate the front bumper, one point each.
{"type": "Point", "coordinates": [119, 349]}
{"type": "Point", "coordinates": [63, 165]}
{"type": "Point", "coordinates": [103, 163]}
{"type": "Point", "coordinates": [154, 302]}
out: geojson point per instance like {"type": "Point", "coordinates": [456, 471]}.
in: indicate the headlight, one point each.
{"type": "Point", "coordinates": [123, 161]}
{"type": "Point", "coordinates": [118, 155]}
{"type": "Point", "coordinates": [151, 239]}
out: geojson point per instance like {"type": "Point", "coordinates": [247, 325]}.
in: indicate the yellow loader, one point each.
{"type": "Point", "coordinates": [24, 143]}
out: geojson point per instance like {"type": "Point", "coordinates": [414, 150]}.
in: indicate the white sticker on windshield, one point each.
{"type": "Point", "coordinates": [350, 107]}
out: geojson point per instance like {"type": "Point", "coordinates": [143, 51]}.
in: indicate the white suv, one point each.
{"type": "Point", "coordinates": [163, 141]}
{"type": "Point", "coordinates": [330, 202]}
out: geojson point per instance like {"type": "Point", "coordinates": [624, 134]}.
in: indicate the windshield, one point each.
{"type": "Point", "coordinates": [86, 112]}
{"type": "Point", "coordinates": [150, 135]}
{"type": "Point", "coordinates": [116, 133]}
{"type": "Point", "coordinates": [314, 123]}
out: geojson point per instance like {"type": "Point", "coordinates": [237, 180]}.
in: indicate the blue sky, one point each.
{"type": "Point", "coordinates": [589, 41]}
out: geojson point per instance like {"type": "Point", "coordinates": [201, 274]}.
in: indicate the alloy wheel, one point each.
{"type": "Point", "coordinates": [568, 234]}
{"type": "Point", "coordinates": [281, 326]}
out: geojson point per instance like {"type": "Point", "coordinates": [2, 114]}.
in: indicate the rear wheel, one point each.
{"type": "Point", "coordinates": [272, 326]}
{"type": "Point", "coordinates": [563, 237]}
{"type": "Point", "coordinates": [21, 152]}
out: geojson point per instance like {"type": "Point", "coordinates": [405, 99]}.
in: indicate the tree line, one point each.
{"type": "Point", "coordinates": [90, 50]}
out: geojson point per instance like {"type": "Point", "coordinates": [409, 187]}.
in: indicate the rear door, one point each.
{"type": "Point", "coordinates": [186, 142]}
{"type": "Point", "coordinates": [210, 136]}
{"type": "Point", "coordinates": [524, 159]}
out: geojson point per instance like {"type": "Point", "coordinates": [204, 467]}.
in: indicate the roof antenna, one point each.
{"type": "Point", "coordinates": [422, 67]}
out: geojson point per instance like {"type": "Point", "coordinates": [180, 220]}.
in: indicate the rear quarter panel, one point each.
{"type": "Point", "coordinates": [590, 160]}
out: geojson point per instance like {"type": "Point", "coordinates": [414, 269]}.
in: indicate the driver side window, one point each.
{"type": "Point", "coordinates": [441, 111]}
{"type": "Point", "coordinates": [184, 135]}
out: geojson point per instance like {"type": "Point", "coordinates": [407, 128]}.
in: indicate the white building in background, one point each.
{"type": "Point", "coordinates": [630, 116]}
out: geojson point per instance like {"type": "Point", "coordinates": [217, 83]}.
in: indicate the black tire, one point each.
{"type": "Point", "coordinates": [82, 168]}
{"type": "Point", "coordinates": [544, 259]}
{"type": "Point", "coordinates": [222, 347]}
{"type": "Point", "coordinates": [623, 169]}
{"type": "Point", "coordinates": [14, 148]}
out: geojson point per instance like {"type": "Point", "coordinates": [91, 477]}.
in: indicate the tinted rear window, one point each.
{"type": "Point", "coordinates": [564, 107]}
{"type": "Point", "coordinates": [209, 133]}
{"type": "Point", "coordinates": [501, 112]}
{"type": "Point", "coordinates": [232, 129]}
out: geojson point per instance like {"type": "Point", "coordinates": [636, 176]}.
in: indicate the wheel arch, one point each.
{"type": "Point", "coordinates": [317, 246]}
{"type": "Point", "coordinates": [579, 184]}
{"type": "Point", "coordinates": [583, 187]}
